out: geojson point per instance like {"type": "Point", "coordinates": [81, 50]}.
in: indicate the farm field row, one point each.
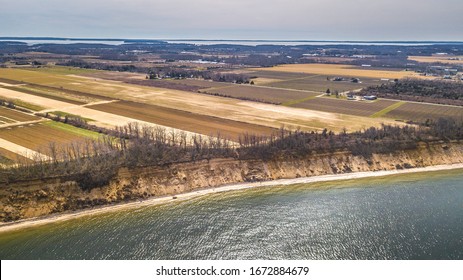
{"type": "Point", "coordinates": [140, 79]}
{"type": "Point", "coordinates": [9, 81]}
{"type": "Point", "coordinates": [12, 116]}
{"type": "Point", "coordinates": [193, 85]}
{"type": "Point", "coordinates": [340, 70]}
{"type": "Point", "coordinates": [38, 136]}
{"type": "Point", "coordinates": [58, 97]}
{"type": "Point", "coordinates": [224, 108]}
{"type": "Point", "coordinates": [321, 84]}
{"type": "Point", "coordinates": [342, 106]}
{"type": "Point", "coordinates": [72, 94]}
{"type": "Point", "coordinates": [7, 157]}
{"type": "Point", "coordinates": [421, 112]}
{"type": "Point", "coordinates": [183, 120]}
{"type": "Point", "coordinates": [275, 75]}
{"type": "Point", "coordinates": [261, 94]}
{"type": "Point", "coordinates": [70, 84]}
{"type": "Point", "coordinates": [438, 59]}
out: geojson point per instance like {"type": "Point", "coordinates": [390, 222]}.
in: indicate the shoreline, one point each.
{"type": "Point", "coordinates": [11, 226]}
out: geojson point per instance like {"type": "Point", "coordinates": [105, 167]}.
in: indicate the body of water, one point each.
{"type": "Point", "coordinates": [412, 216]}
{"type": "Point", "coordinates": [31, 41]}
{"type": "Point", "coordinates": [299, 43]}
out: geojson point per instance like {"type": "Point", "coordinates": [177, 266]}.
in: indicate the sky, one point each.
{"type": "Point", "coordinates": [235, 19]}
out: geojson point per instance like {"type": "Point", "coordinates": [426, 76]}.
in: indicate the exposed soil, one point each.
{"type": "Point", "coordinates": [44, 197]}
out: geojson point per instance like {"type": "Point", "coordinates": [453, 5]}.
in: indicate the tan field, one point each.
{"type": "Point", "coordinates": [226, 108]}
{"type": "Point", "coordinates": [340, 70]}
{"type": "Point", "coordinates": [263, 81]}
{"type": "Point", "coordinates": [438, 59]}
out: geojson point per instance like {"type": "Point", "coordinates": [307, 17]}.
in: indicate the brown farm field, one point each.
{"type": "Point", "coordinates": [38, 136]}
{"type": "Point", "coordinates": [13, 116]}
{"type": "Point", "coordinates": [242, 112]}
{"type": "Point", "coordinates": [321, 84]}
{"type": "Point", "coordinates": [46, 95]}
{"type": "Point", "coordinates": [7, 157]}
{"type": "Point", "coordinates": [258, 93]}
{"type": "Point", "coordinates": [421, 112]}
{"type": "Point", "coordinates": [192, 85]}
{"type": "Point", "coordinates": [342, 106]}
{"type": "Point", "coordinates": [276, 75]}
{"type": "Point", "coordinates": [183, 120]}
{"type": "Point", "coordinates": [139, 79]}
{"type": "Point", "coordinates": [9, 81]}
{"type": "Point", "coordinates": [199, 83]}
{"type": "Point", "coordinates": [67, 83]}
{"type": "Point", "coordinates": [340, 70]}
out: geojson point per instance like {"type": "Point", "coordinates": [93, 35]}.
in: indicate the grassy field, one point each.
{"type": "Point", "coordinates": [80, 132]}
{"type": "Point", "coordinates": [12, 116]}
{"type": "Point", "coordinates": [182, 120]}
{"type": "Point", "coordinates": [42, 79]}
{"type": "Point", "coordinates": [438, 59]}
{"type": "Point", "coordinates": [40, 93]}
{"type": "Point", "coordinates": [342, 106]}
{"type": "Point", "coordinates": [27, 105]}
{"type": "Point", "coordinates": [63, 70]}
{"type": "Point", "coordinates": [335, 70]}
{"type": "Point", "coordinates": [263, 94]}
{"type": "Point", "coordinates": [38, 136]}
{"type": "Point", "coordinates": [421, 112]}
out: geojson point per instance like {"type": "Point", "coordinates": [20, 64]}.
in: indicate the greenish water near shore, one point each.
{"type": "Point", "coordinates": [410, 216]}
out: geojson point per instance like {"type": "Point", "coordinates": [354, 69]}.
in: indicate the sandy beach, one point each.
{"type": "Point", "coordinates": [225, 188]}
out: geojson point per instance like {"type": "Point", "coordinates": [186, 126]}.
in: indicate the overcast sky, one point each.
{"type": "Point", "coordinates": [235, 19]}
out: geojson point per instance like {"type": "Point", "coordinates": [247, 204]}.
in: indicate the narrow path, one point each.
{"type": "Point", "coordinates": [387, 109]}
{"type": "Point", "coordinates": [425, 103]}
{"type": "Point", "coordinates": [260, 86]}
{"type": "Point", "coordinates": [19, 123]}
{"type": "Point", "coordinates": [99, 102]}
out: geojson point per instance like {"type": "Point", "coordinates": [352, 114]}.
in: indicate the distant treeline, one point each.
{"type": "Point", "coordinates": [163, 71]}
{"type": "Point", "coordinates": [182, 73]}
{"type": "Point", "coordinates": [102, 66]}
{"type": "Point", "coordinates": [434, 91]}
{"type": "Point", "coordinates": [94, 163]}
{"type": "Point", "coordinates": [260, 55]}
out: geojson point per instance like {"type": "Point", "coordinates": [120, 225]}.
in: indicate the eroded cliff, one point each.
{"type": "Point", "coordinates": [43, 197]}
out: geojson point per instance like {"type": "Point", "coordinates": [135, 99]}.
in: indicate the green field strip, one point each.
{"type": "Point", "coordinates": [26, 105]}
{"type": "Point", "coordinates": [72, 129]}
{"type": "Point", "coordinates": [387, 109]}
{"type": "Point", "coordinates": [62, 70]}
{"type": "Point", "coordinates": [64, 114]}
{"type": "Point", "coordinates": [294, 102]}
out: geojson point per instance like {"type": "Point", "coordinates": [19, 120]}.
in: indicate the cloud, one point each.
{"type": "Point", "coordinates": [274, 19]}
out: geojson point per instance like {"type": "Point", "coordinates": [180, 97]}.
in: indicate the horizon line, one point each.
{"type": "Point", "coordinates": [220, 40]}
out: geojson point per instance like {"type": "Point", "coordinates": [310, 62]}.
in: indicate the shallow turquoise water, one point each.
{"type": "Point", "coordinates": [413, 216]}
